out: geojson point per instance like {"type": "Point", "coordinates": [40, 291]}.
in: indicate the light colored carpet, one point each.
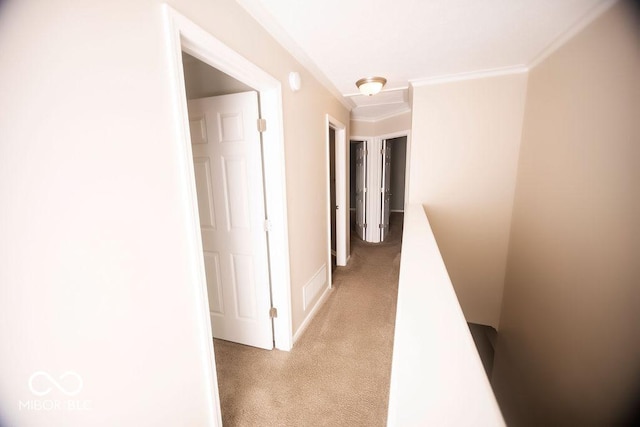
{"type": "Point", "coordinates": [338, 372]}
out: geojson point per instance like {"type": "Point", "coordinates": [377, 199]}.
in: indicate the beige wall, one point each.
{"type": "Point", "coordinates": [569, 346]}
{"type": "Point", "coordinates": [362, 128]}
{"type": "Point", "coordinates": [464, 156]}
{"type": "Point", "coordinates": [95, 261]}
{"type": "Point", "coordinates": [390, 125]}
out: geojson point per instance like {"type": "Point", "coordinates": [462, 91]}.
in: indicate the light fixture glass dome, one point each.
{"type": "Point", "coordinates": [371, 85]}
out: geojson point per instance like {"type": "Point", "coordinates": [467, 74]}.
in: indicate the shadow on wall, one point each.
{"type": "Point", "coordinates": [568, 351]}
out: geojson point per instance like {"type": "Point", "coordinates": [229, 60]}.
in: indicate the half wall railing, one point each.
{"type": "Point", "coordinates": [437, 377]}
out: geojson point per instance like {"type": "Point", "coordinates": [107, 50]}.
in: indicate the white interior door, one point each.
{"type": "Point", "coordinates": [385, 189]}
{"type": "Point", "coordinates": [361, 190]}
{"type": "Point", "coordinates": [227, 160]}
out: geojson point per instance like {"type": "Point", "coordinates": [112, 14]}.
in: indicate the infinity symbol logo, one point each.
{"type": "Point", "coordinates": [69, 392]}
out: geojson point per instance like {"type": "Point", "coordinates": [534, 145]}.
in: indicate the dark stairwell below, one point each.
{"type": "Point", "coordinates": [485, 339]}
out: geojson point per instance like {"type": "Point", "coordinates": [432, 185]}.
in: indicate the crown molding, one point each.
{"type": "Point", "coordinates": [472, 75]}
{"type": "Point", "coordinates": [258, 12]}
{"type": "Point", "coordinates": [381, 117]}
{"type": "Point", "coordinates": [572, 31]}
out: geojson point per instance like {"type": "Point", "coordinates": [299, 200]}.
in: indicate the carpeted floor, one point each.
{"type": "Point", "coordinates": [338, 372]}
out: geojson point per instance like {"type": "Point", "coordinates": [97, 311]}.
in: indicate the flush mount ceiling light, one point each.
{"type": "Point", "coordinates": [371, 85]}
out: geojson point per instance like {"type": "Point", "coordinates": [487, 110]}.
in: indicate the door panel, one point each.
{"type": "Point", "coordinates": [214, 282]}
{"type": "Point", "coordinates": [234, 176]}
{"type": "Point", "coordinates": [202, 169]}
{"type": "Point", "coordinates": [243, 274]}
{"type": "Point", "coordinates": [228, 170]}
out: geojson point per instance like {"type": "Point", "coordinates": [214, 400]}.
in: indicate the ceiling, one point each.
{"type": "Point", "coordinates": [341, 41]}
{"type": "Point", "coordinates": [202, 80]}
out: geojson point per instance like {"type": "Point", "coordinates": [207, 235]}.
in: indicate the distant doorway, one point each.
{"type": "Point", "coordinates": [378, 184]}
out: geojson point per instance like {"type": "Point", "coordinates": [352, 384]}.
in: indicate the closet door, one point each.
{"type": "Point", "coordinates": [385, 189]}
{"type": "Point", "coordinates": [361, 189]}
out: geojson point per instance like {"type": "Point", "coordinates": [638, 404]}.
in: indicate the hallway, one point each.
{"type": "Point", "coordinates": [338, 372]}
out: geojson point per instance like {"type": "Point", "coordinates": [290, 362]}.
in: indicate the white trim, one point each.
{"type": "Point", "coordinates": [311, 290]}
{"type": "Point", "coordinates": [376, 119]}
{"type": "Point", "coordinates": [173, 29]}
{"type": "Point", "coordinates": [574, 29]}
{"type": "Point", "coordinates": [558, 42]}
{"type": "Point", "coordinates": [186, 35]}
{"type": "Point", "coordinates": [312, 313]}
{"type": "Point", "coordinates": [266, 20]}
{"type": "Point", "coordinates": [471, 75]}
{"type": "Point", "coordinates": [340, 163]}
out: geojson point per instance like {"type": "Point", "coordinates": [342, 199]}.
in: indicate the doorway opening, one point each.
{"type": "Point", "coordinates": [182, 35]}
{"type": "Point", "coordinates": [378, 184]}
{"type": "Point", "coordinates": [332, 197]}
{"type": "Point", "coordinates": [227, 155]}
{"type": "Point", "coordinates": [185, 36]}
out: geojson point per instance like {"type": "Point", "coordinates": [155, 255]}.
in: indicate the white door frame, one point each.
{"type": "Point", "coordinates": [342, 235]}
{"type": "Point", "coordinates": [184, 35]}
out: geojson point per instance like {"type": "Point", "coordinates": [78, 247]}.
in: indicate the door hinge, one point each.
{"type": "Point", "coordinates": [273, 312]}
{"type": "Point", "coordinates": [267, 225]}
{"type": "Point", "coordinates": [365, 226]}
{"type": "Point", "coordinates": [262, 125]}
{"type": "Point", "coordinates": [381, 226]}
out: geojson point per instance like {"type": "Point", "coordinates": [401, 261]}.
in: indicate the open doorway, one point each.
{"type": "Point", "coordinates": [378, 171]}
{"type": "Point", "coordinates": [227, 155]}
{"type": "Point", "coordinates": [337, 203]}
{"type": "Point", "coordinates": [185, 36]}
{"type": "Point", "coordinates": [333, 207]}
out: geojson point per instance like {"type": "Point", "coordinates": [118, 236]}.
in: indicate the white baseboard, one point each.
{"type": "Point", "coordinates": [313, 287]}
{"type": "Point", "coordinates": [312, 313]}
